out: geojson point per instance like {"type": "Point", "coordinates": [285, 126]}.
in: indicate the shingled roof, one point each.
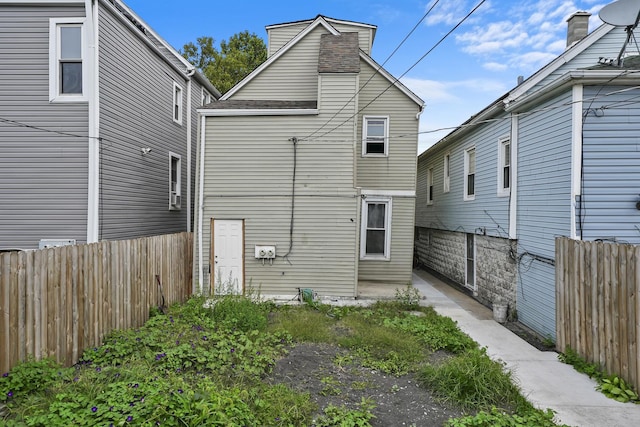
{"type": "Point", "coordinates": [339, 53]}
{"type": "Point", "coordinates": [243, 104]}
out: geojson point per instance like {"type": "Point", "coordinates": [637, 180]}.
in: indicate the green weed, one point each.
{"type": "Point", "coordinates": [473, 380]}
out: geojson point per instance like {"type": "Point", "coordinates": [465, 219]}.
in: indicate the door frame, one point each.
{"type": "Point", "coordinates": [212, 254]}
{"type": "Point", "coordinates": [471, 286]}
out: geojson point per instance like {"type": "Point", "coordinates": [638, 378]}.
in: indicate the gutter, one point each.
{"type": "Point", "coordinates": [93, 179]}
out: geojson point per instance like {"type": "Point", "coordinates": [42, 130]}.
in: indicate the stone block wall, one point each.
{"type": "Point", "coordinates": [496, 268]}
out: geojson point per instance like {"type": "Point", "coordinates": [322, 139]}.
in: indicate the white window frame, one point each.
{"type": "Point", "coordinates": [365, 137]}
{"type": "Point", "coordinates": [175, 188]}
{"type": "Point", "coordinates": [430, 186]}
{"type": "Point", "coordinates": [503, 162]}
{"type": "Point", "coordinates": [205, 97]}
{"type": "Point", "coordinates": [446, 174]}
{"type": "Point", "coordinates": [55, 86]}
{"type": "Point", "coordinates": [363, 231]}
{"type": "Point", "coordinates": [467, 154]}
{"type": "Point", "coordinates": [176, 112]}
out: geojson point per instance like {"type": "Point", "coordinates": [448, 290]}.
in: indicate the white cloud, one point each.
{"type": "Point", "coordinates": [446, 12]}
{"type": "Point", "coordinates": [495, 66]}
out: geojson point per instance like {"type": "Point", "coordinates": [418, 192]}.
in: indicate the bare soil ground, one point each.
{"type": "Point", "coordinates": [399, 401]}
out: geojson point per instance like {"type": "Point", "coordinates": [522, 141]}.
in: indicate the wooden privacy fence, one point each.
{"type": "Point", "coordinates": [57, 302]}
{"type": "Point", "coordinates": [597, 304]}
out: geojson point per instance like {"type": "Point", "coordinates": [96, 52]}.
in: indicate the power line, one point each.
{"type": "Point", "coordinates": [25, 125]}
{"type": "Point", "coordinates": [376, 72]}
{"type": "Point", "coordinates": [397, 79]}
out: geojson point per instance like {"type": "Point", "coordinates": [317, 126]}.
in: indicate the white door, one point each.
{"type": "Point", "coordinates": [228, 256]}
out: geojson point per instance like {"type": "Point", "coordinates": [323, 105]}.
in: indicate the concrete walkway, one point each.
{"type": "Point", "coordinates": [544, 380]}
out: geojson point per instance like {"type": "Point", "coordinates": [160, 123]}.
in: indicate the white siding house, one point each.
{"type": "Point", "coordinates": [299, 160]}
{"type": "Point", "coordinates": [98, 125]}
{"type": "Point", "coordinates": [556, 156]}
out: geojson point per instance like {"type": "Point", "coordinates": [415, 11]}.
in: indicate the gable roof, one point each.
{"type": "Point", "coordinates": [330, 20]}
{"type": "Point", "coordinates": [324, 22]}
{"type": "Point", "coordinates": [148, 35]}
{"type": "Point", "coordinates": [520, 95]}
{"type": "Point", "coordinates": [562, 59]}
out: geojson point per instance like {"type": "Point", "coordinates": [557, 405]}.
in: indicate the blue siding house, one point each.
{"type": "Point", "coordinates": [98, 125]}
{"type": "Point", "coordinates": [558, 155]}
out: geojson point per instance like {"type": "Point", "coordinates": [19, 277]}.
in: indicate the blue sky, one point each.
{"type": "Point", "coordinates": [480, 61]}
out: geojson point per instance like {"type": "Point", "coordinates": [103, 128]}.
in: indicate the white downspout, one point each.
{"type": "Point", "coordinates": [190, 74]}
{"type": "Point", "coordinates": [93, 89]}
{"type": "Point", "coordinates": [513, 185]}
{"type": "Point", "coordinates": [576, 154]}
{"type": "Point", "coordinates": [201, 206]}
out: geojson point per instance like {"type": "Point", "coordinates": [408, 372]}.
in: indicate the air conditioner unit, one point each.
{"type": "Point", "coordinates": [175, 199]}
{"type": "Point", "coordinates": [54, 243]}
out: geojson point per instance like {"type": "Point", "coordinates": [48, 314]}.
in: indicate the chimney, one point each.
{"type": "Point", "coordinates": [578, 27]}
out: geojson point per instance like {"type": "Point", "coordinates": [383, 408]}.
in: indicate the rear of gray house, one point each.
{"type": "Point", "coordinates": [558, 155]}
{"type": "Point", "coordinates": [301, 181]}
{"type": "Point", "coordinates": [97, 125]}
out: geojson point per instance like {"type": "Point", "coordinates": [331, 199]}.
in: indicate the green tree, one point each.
{"type": "Point", "coordinates": [229, 64]}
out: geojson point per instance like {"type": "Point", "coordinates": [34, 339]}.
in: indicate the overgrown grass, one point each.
{"type": "Point", "coordinates": [204, 363]}
{"type": "Point", "coordinates": [474, 381]}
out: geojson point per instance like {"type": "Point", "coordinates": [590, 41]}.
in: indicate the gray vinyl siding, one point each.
{"type": "Point", "coordinates": [611, 184]}
{"type": "Point", "coordinates": [279, 36]}
{"type": "Point", "coordinates": [398, 269]}
{"type": "Point", "coordinates": [544, 207]}
{"type": "Point", "coordinates": [450, 211]}
{"type": "Point", "coordinates": [249, 170]}
{"type": "Point", "coordinates": [397, 171]}
{"type": "Point", "coordinates": [249, 176]}
{"type": "Point", "coordinates": [43, 175]}
{"type": "Point", "coordinates": [136, 111]}
{"type": "Point", "coordinates": [294, 76]}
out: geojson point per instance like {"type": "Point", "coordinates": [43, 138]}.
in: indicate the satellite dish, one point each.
{"type": "Point", "coordinates": [621, 13]}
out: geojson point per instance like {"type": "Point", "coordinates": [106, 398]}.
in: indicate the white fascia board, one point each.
{"type": "Point", "coordinates": [565, 57]}
{"type": "Point", "coordinates": [388, 193]}
{"type": "Point", "coordinates": [147, 27]}
{"type": "Point", "coordinates": [488, 113]}
{"type": "Point", "coordinates": [319, 21]}
{"type": "Point", "coordinates": [145, 40]}
{"type": "Point", "coordinates": [396, 82]}
{"type": "Point", "coordinates": [584, 77]}
{"type": "Point", "coordinates": [257, 112]}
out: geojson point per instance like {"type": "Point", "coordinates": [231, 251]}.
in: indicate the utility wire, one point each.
{"type": "Point", "coordinates": [377, 70]}
{"type": "Point", "coordinates": [397, 79]}
{"type": "Point", "coordinates": [24, 125]}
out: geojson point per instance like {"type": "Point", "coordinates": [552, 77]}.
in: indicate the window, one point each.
{"type": "Point", "coordinates": [446, 174]}
{"type": "Point", "coordinates": [375, 242]}
{"type": "Point", "coordinates": [66, 67]}
{"type": "Point", "coordinates": [177, 103]}
{"type": "Point", "coordinates": [430, 186]}
{"type": "Point", "coordinates": [504, 166]}
{"type": "Point", "coordinates": [175, 172]}
{"type": "Point", "coordinates": [470, 174]}
{"type": "Point", "coordinates": [206, 97]}
{"type": "Point", "coordinates": [376, 136]}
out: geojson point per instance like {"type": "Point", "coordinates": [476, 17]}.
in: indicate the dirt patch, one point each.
{"type": "Point", "coordinates": [530, 336]}
{"type": "Point", "coordinates": [330, 377]}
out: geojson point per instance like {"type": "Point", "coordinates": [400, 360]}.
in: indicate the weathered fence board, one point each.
{"type": "Point", "coordinates": [57, 302]}
{"type": "Point", "coordinates": [597, 304]}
